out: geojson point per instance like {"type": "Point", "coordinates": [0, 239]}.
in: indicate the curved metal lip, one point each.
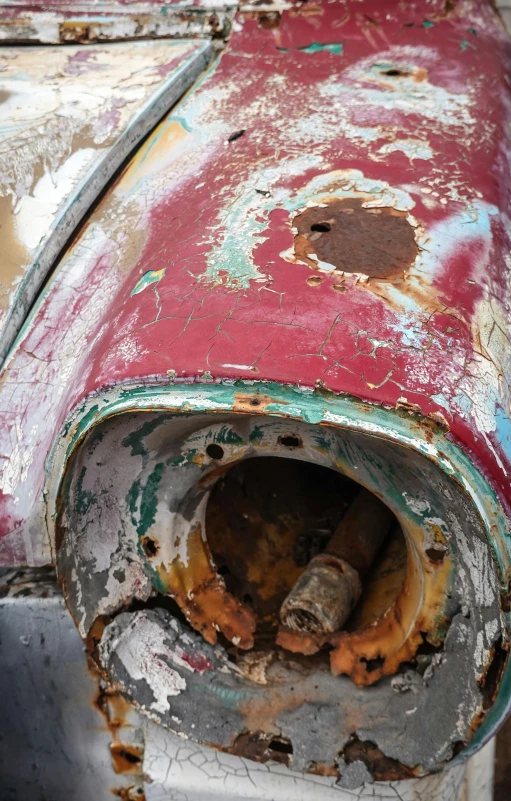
{"type": "Point", "coordinates": [86, 192]}
{"type": "Point", "coordinates": [318, 407]}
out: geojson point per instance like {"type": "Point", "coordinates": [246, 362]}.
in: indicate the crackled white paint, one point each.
{"type": "Point", "coordinates": [138, 648]}
{"type": "Point", "coordinates": [189, 772]}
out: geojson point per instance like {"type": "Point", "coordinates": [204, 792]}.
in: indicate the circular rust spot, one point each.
{"type": "Point", "coordinates": [378, 242]}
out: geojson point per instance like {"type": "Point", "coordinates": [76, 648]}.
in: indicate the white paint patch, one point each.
{"type": "Point", "coordinates": [412, 148]}
{"type": "Point", "coordinates": [140, 647]}
{"type": "Point", "coordinates": [35, 213]}
{"type": "Point", "coordinates": [419, 506]}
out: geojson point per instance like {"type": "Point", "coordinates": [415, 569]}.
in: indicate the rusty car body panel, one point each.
{"type": "Point", "coordinates": [307, 261]}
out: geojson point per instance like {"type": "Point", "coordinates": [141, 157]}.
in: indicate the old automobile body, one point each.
{"type": "Point", "coordinates": [295, 286]}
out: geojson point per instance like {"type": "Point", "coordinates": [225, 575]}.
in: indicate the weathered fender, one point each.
{"type": "Point", "coordinates": [318, 233]}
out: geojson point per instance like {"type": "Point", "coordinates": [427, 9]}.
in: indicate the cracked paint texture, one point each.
{"type": "Point", "coordinates": [214, 217]}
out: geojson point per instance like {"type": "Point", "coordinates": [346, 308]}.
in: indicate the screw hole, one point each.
{"type": "Point", "coordinates": [435, 555]}
{"type": "Point", "coordinates": [150, 547]}
{"type": "Point", "coordinates": [392, 73]}
{"type": "Point", "coordinates": [214, 451]}
{"type": "Point", "coordinates": [322, 228]}
{"type": "Point", "coordinates": [290, 441]}
{"type": "Point", "coordinates": [255, 402]}
{"type": "Point", "coordinates": [280, 746]}
{"type": "Point", "coordinates": [373, 664]}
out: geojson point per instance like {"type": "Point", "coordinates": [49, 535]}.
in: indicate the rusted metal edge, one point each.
{"type": "Point", "coordinates": [319, 408]}
{"type": "Point", "coordinates": [73, 25]}
{"type": "Point", "coordinates": [93, 184]}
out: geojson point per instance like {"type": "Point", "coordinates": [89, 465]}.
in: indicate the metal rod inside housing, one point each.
{"type": "Point", "coordinates": [327, 591]}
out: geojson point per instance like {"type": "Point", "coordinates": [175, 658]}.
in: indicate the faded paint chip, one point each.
{"type": "Point", "coordinates": [150, 277]}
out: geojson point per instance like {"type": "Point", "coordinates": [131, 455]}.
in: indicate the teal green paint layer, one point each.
{"type": "Point", "coordinates": [319, 48]}
{"type": "Point", "coordinates": [149, 500]}
{"type": "Point", "coordinates": [315, 47]}
{"type": "Point", "coordinates": [150, 277]}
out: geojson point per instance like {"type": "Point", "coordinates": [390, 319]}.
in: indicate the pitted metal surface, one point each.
{"type": "Point", "coordinates": [139, 480]}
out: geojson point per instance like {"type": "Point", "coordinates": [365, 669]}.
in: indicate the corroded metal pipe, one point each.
{"type": "Point", "coordinates": [325, 594]}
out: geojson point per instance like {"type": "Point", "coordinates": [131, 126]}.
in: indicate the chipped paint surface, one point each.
{"type": "Point", "coordinates": [437, 338]}
{"type": "Point", "coordinates": [157, 525]}
{"type": "Point", "coordinates": [280, 129]}
{"type": "Point", "coordinates": [87, 21]}
{"type": "Point", "coordinates": [176, 767]}
{"type": "Point", "coordinates": [68, 118]}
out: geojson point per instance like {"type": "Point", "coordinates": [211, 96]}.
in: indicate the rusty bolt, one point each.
{"type": "Point", "coordinates": [325, 594]}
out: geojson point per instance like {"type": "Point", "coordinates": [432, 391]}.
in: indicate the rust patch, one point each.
{"type": "Point", "coordinates": [381, 767]}
{"type": "Point", "coordinates": [262, 748]}
{"type": "Point", "coordinates": [131, 793]}
{"type": "Point", "coordinates": [377, 242]}
{"type": "Point", "coordinates": [127, 759]}
{"type": "Point", "coordinates": [300, 643]}
{"type": "Point", "coordinates": [202, 595]}
{"type": "Point", "coordinates": [265, 520]}
{"type": "Point", "coordinates": [381, 647]}
{"type": "Point", "coordinates": [251, 403]}
{"type": "Point", "coordinates": [320, 769]}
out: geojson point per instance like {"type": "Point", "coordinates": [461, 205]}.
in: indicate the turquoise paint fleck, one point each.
{"type": "Point", "coordinates": [84, 498]}
{"type": "Point", "coordinates": [227, 436]}
{"type": "Point", "coordinates": [132, 500]}
{"type": "Point", "coordinates": [315, 47]}
{"type": "Point", "coordinates": [503, 430]}
{"type": "Point", "coordinates": [135, 440]}
{"type": "Point", "coordinates": [150, 277]}
{"type": "Point", "coordinates": [427, 23]}
{"type": "Point", "coordinates": [148, 499]}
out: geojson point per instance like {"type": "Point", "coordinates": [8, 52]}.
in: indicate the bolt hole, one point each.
{"type": "Point", "coordinates": [322, 228]}
{"type": "Point", "coordinates": [214, 451]}
{"type": "Point", "coordinates": [129, 756]}
{"type": "Point", "coordinates": [255, 402]}
{"type": "Point", "coordinates": [373, 664]}
{"type": "Point", "coordinates": [393, 73]}
{"type": "Point", "coordinates": [280, 746]}
{"type": "Point", "coordinates": [290, 441]}
{"type": "Point", "coordinates": [150, 547]}
{"type": "Point", "coordinates": [435, 555]}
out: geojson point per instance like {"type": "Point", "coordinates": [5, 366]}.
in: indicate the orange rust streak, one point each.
{"type": "Point", "coordinates": [251, 403]}
{"type": "Point", "coordinates": [397, 635]}
{"type": "Point", "coordinates": [203, 597]}
{"type": "Point", "coordinates": [127, 759]}
{"type": "Point", "coordinates": [299, 643]}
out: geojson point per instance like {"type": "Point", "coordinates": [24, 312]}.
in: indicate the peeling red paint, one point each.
{"type": "Point", "coordinates": [431, 342]}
